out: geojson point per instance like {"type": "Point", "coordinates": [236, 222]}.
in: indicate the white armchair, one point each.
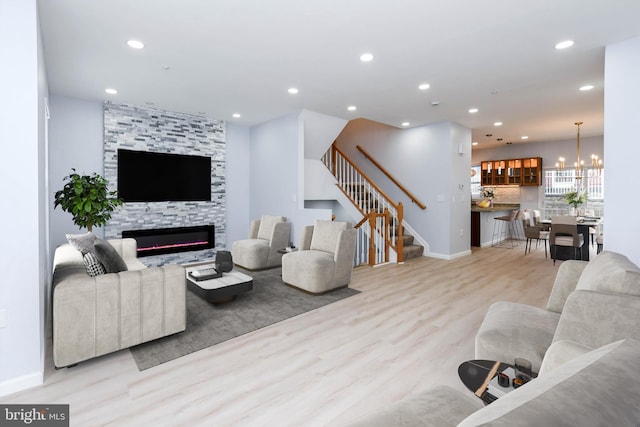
{"type": "Point", "coordinates": [325, 258]}
{"type": "Point", "coordinates": [260, 250]}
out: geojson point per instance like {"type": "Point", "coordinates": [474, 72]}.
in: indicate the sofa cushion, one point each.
{"type": "Point", "coordinates": [109, 257]}
{"type": "Point", "coordinates": [93, 266]}
{"type": "Point", "coordinates": [594, 319]}
{"type": "Point", "coordinates": [267, 224]}
{"type": "Point", "coordinates": [82, 242]}
{"type": "Point", "coordinates": [611, 272]}
{"type": "Point", "coordinates": [511, 330]}
{"type": "Point", "coordinates": [325, 235]}
{"type": "Point", "coordinates": [599, 388]}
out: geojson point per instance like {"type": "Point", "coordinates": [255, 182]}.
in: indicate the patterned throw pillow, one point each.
{"type": "Point", "coordinates": [93, 266]}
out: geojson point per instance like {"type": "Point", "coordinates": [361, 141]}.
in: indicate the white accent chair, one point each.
{"type": "Point", "coordinates": [260, 250]}
{"type": "Point", "coordinates": [325, 259]}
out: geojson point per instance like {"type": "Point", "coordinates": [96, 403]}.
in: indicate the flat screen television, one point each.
{"type": "Point", "coordinates": [144, 176]}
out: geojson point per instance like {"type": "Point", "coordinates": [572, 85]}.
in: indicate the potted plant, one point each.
{"type": "Point", "coordinates": [575, 198]}
{"type": "Point", "coordinates": [87, 199]}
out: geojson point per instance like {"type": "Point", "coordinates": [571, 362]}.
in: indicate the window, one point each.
{"type": "Point", "coordinates": [559, 182]}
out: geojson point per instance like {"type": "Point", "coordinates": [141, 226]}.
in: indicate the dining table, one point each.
{"type": "Point", "coordinates": [584, 225]}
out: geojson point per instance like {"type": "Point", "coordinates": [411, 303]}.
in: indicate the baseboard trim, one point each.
{"type": "Point", "coordinates": [449, 257]}
{"type": "Point", "coordinates": [24, 382]}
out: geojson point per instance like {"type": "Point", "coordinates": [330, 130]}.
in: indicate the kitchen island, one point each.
{"type": "Point", "coordinates": [483, 222]}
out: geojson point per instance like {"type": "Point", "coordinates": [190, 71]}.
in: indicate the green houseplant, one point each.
{"type": "Point", "coordinates": [87, 199]}
{"type": "Point", "coordinates": [575, 198]}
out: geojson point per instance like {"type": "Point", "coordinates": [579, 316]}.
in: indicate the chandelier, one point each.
{"type": "Point", "coordinates": [578, 165]}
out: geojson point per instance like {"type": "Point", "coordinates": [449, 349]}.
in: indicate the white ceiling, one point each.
{"type": "Point", "coordinates": [227, 56]}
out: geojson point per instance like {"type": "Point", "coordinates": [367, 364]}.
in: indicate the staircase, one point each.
{"type": "Point", "coordinates": [383, 216]}
{"type": "Point", "coordinates": [409, 249]}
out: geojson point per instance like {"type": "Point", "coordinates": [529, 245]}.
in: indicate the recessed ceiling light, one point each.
{"type": "Point", "coordinates": [351, 108]}
{"type": "Point", "coordinates": [111, 91]}
{"type": "Point", "coordinates": [586, 87]}
{"type": "Point", "coordinates": [497, 124]}
{"type": "Point", "coordinates": [565, 44]}
{"type": "Point", "coordinates": [236, 115]}
{"type": "Point", "coordinates": [405, 124]}
{"type": "Point", "coordinates": [293, 90]}
{"type": "Point", "coordinates": [366, 57]}
{"type": "Point", "coordinates": [473, 110]}
{"type": "Point", "coordinates": [524, 137]}
{"type": "Point", "coordinates": [474, 143]}
{"type": "Point", "coordinates": [424, 86]}
{"type": "Point", "coordinates": [135, 44]}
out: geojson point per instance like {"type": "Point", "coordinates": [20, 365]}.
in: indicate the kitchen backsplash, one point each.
{"type": "Point", "coordinates": [505, 193]}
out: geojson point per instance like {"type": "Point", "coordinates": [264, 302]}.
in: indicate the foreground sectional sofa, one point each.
{"type": "Point", "coordinates": [585, 344]}
{"type": "Point", "coordinates": [97, 315]}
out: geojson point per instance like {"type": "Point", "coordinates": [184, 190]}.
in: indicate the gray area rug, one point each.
{"type": "Point", "coordinates": [269, 302]}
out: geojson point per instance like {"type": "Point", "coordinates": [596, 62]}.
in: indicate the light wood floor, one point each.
{"type": "Point", "coordinates": [408, 330]}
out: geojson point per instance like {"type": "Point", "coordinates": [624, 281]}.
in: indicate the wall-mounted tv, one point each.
{"type": "Point", "coordinates": [145, 176]}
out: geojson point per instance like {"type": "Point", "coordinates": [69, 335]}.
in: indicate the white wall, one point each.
{"type": "Point", "coordinates": [277, 170]}
{"type": "Point", "coordinates": [76, 135]}
{"type": "Point", "coordinates": [238, 183]}
{"type": "Point", "coordinates": [548, 150]}
{"type": "Point", "coordinates": [621, 147]}
{"type": "Point", "coordinates": [23, 260]}
{"type": "Point", "coordinates": [320, 131]}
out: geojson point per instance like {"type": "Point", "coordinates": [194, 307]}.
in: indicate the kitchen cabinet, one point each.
{"type": "Point", "coordinates": [511, 172]}
{"type": "Point", "coordinates": [532, 171]}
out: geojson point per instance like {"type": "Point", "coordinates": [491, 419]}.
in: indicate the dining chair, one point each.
{"type": "Point", "coordinates": [593, 231]}
{"type": "Point", "coordinates": [564, 232]}
{"type": "Point", "coordinates": [600, 243]}
{"type": "Point", "coordinates": [532, 231]}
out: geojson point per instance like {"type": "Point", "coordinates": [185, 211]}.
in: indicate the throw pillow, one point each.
{"type": "Point", "coordinates": [109, 257]}
{"type": "Point", "coordinates": [82, 242]}
{"type": "Point", "coordinates": [93, 266]}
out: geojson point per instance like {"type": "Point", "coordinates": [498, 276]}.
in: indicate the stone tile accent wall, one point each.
{"type": "Point", "coordinates": [148, 129]}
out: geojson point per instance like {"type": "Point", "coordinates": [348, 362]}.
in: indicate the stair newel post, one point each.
{"type": "Point", "coordinates": [400, 245]}
{"type": "Point", "coordinates": [386, 234]}
{"type": "Point", "coordinates": [372, 243]}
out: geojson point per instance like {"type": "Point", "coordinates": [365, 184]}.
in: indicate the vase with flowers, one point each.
{"type": "Point", "coordinates": [488, 194]}
{"type": "Point", "coordinates": [575, 198]}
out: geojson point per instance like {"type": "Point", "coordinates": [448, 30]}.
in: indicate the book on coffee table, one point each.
{"type": "Point", "coordinates": [205, 274]}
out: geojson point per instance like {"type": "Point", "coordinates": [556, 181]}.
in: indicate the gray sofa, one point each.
{"type": "Point", "coordinates": [584, 344]}
{"type": "Point", "coordinates": [97, 315]}
{"type": "Point", "coordinates": [591, 304]}
{"type": "Point", "coordinates": [596, 389]}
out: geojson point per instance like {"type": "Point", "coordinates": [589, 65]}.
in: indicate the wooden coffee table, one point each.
{"type": "Point", "coordinates": [222, 289]}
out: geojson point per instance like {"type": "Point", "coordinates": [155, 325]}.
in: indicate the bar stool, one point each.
{"type": "Point", "coordinates": [506, 228]}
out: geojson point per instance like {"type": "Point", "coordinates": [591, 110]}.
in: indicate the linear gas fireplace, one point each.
{"type": "Point", "coordinates": [170, 240]}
